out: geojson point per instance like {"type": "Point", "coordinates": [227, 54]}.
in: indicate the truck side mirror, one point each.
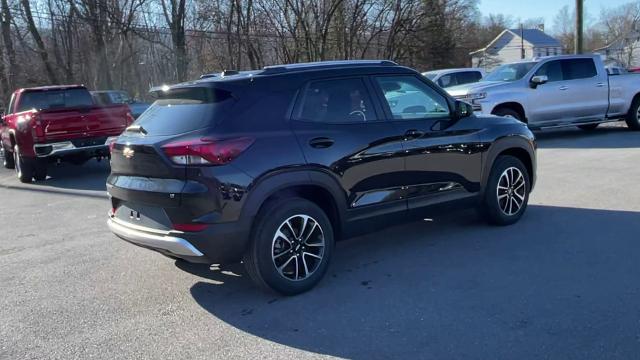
{"type": "Point", "coordinates": [538, 80]}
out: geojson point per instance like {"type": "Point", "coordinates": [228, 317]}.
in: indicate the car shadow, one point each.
{"type": "Point", "coordinates": [451, 288]}
{"type": "Point", "coordinates": [606, 136]}
{"type": "Point", "coordinates": [92, 175]}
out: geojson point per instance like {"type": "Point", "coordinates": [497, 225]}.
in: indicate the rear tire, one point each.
{"type": "Point", "coordinates": [287, 253]}
{"type": "Point", "coordinates": [507, 193]}
{"type": "Point", "coordinates": [633, 117]}
{"type": "Point", "coordinates": [588, 127]}
{"type": "Point", "coordinates": [24, 166]}
{"type": "Point", "coordinates": [507, 112]}
{"type": "Point", "coordinates": [7, 158]}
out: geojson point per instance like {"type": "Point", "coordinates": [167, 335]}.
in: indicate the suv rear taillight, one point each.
{"type": "Point", "coordinates": [206, 151]}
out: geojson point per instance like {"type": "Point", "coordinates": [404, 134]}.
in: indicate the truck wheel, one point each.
{"type": "Point", "coordinates": [291, 245]}
{"type": "Point", "coordinates": [588, 127]}
{"type": "Point", "coordinates": [633, 117]}
{"type": "Point", "coordinates": [24, 167]}
{"type": "Point", "coordinates": [40, 170]}
{"type": "Point", "coordinates": [7, 158]}
{"type": "Point", "coordinates": [507, 192]}
{"type": "Point", "coordinates": [506, 112]}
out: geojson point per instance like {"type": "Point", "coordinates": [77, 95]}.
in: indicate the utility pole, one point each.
{"type": "Point", "coordinates": [579, 26]}
{"type": "Point", "coordinates": [522, 51]}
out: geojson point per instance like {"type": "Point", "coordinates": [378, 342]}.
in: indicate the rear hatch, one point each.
{"type": "Point", "coordinates": [178, 114]}
{"type": "Point", "coordinates": [150, 160]}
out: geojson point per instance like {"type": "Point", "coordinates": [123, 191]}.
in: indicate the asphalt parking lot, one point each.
{"type": "Point", "coordinates": [564, 283]}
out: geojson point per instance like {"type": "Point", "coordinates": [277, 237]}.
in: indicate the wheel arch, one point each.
{"type": "Point", "coordinates": [313, 185]}
{"type": "Point", "coordinates": [516, 146]}
{"type": "Point", "coordinates": [512, 105]}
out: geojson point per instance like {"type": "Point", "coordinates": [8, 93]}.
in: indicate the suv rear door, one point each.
{"type": "Point", "coordinates": [441, 162]}
{"type": "Point", "coordinates": [341, 129]}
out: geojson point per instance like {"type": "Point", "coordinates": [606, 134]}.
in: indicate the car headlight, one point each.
{"type": "Point", "coordinates": [477, 96]}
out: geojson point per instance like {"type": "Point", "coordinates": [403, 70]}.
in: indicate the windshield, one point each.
{"type": "Point", "coordinates": [430, 76]}
{"type": "Point", "coordinates": [184, 109]}
{"type": "Point", "coordinates": [510, 72]}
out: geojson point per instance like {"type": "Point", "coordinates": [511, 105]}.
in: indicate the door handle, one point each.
{"type": "Point", "coordinates": [413, 134]}
{"type": "Point", "coordinates": [321, 142]}
{"type": "Point", "coordinates": [600, 85]}
{"type": "Point", "coordinates": [563, 88]}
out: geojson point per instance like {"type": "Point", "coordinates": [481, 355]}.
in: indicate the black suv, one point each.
{"type": "Point", "coordinates": [272, 166]}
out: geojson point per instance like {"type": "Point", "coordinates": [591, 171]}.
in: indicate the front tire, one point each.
{"type": "Point", "coordinates": [292, 243]}
{"type": "Point", "coordinates": [7, 158]}
{"type": "Point", "coordinates": [24, 166]}
{"type": "Point", "coordinates": [507, 193]}
{"type": "Point", "coordinates": [633, 117]}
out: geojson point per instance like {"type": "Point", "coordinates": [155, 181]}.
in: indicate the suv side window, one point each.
{"type": "Point", "coordinates": [411, 99]}
{"type": "Point", "coordinates": [552, 69]}
{"type": "Point", "coordinates": [574, 69]}
{"type": "Point", "coordinates": [336, 101]}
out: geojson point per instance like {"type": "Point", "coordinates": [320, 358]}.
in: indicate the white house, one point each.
{"type": "Point", "coordinates": [510, 45]}
{"type": "Point", "coordinates": [624, 51]}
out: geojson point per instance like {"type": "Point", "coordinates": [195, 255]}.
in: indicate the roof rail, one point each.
{"type": "Point", "coordinates": [322, 64]}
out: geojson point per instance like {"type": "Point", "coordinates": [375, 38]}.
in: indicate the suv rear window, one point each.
{"type": "Point", "coordinates": [54, 99]}
{"type": "Point", "coordinates": [185, 109]}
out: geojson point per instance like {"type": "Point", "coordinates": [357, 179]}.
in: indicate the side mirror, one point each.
{"type": "Point", "coordinates": [463, 109]}
{"type": "Point", "coordinates": [538, 80]}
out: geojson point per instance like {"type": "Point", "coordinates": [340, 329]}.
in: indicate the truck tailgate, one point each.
{"type": "Point", "coordinates": [71, 123]}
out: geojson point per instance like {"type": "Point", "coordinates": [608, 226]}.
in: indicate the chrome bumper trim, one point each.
{"type": "Point", "coordinates": [156, 240]}
{"type": "Point", "coordinates": [64, 147]}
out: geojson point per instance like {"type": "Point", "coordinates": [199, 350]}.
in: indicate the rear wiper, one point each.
{"type": "Point", "coordinates": [136, 128]}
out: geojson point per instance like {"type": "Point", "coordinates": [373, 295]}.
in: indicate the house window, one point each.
{"type": "Point", "coordinates": [547, 51]}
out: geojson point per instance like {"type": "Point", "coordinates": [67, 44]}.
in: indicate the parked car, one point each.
{"type": "Point", "coordinates": [557, 91]}
{"type": "Point", "coordinates": [452, 77]}
{"type": "Point", "coordinates": [53, 123]}
{"type": "Point", "coordinates": [272, 166]}
{"type": "Point", "coordinates": [109, 97]}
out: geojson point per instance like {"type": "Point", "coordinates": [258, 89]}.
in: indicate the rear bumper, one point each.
{"type": "Point", "coordinates": [92, 148]}
{"type": "Point", "coordinates": [220, 243]}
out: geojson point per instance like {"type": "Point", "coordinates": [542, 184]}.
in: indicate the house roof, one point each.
{"type": "Point", "coordinates": [534, 37]}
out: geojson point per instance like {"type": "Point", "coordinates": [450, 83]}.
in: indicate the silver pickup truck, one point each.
{"type": "Point", "coordinates": [557, 91]}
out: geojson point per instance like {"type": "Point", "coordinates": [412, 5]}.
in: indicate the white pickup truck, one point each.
{"type": "Point", "coordinates": [557, 91]}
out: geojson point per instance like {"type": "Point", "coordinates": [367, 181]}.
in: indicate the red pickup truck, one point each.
{"type": "Point", "coordinates": [57, 123]}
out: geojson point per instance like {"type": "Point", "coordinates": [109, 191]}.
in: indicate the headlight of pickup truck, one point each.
{"type": "Point", "coordinates": [477, 96]}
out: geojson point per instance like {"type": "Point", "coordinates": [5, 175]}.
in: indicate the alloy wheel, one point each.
{"type": "Point", "coordinates": [298, 247]}
{"type": "Point", "coordinates": [511, 191]}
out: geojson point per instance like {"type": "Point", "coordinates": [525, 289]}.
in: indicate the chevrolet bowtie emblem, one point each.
{"type": "Point", "coordinates": [128, 152]}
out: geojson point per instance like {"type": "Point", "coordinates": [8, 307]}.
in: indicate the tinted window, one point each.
{"type": "Point", "coordinates": [336, 101]}
{"type": "Point", "coordinates": [52, 99]}
{"type": "Point", "coordinates": [552, 70]}
{"type": "Point", "coordinates": [409, 98]}
{"type": "Point", "coordinates": [578, 69]}
{"type": "Point", "coordinates": [468, 77]}
{"type": "Point", "coordinates": [185, 109]}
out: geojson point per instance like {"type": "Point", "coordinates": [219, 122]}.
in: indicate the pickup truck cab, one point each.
{"type": "Point", "coordinates": [55, 123]}
{"type": "Point", "coordinates": [557, 91]}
